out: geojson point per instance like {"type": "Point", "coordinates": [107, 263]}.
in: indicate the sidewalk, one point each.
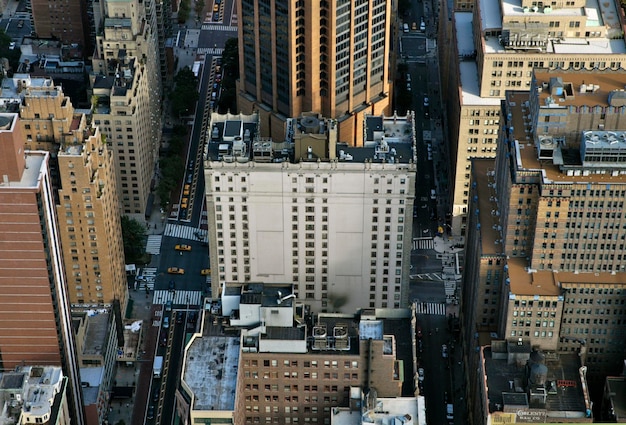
{"type": "Point", "coordinates": [449, 244]}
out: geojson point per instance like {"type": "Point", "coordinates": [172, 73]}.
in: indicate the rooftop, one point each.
{"type": "Point", "coordinates": [490, 224]}
{"type": "Point", "coordinates": [597, 12]}
{"type": "Point", "coordinates": [534, 380]}
{"type": "Point", "coordinates": [132, 337]}
{"type": "Point", "coordinates": [98, 328]}
{"type": "Point", "coordinates": [36, 166]}
{"type": "Point", "coordinates": [25, 84]}
{"type": "Point", "coordinates": [468, 70]}
{"type": "Point", "coordinates": [567, 167]}
{"type": "Point", "coordinates": [210, 368]}
{"type": "Point", "coordinates": [561, 89]}
{"type": "Point", "coordinates": [400, 411]}
{"type": "Point", "coordinates": [38, 387]}
{"type": "Point", "coordinates": [309, 139]}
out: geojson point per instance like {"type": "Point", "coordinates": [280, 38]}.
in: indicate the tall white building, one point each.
{"type": "Point", "coordinates": [335, 221]}
{"type": "Point", "coordinates": [126, 87]}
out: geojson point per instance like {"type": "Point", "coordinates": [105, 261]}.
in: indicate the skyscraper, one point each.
{"type": "Point", "coordinates": [329, 57]}
{"type": "Point", "coordinates": [34, 303]}
{"type": "Point", "coordinates": [91, 231]}
{"type": "Point", "coordinates": [334, 220]}
{"type": "Point", "coordinates": [547, 230]}
{"type": "Point", "coordinates": [126, 86]}
{"type": "Point", "coordinates": [82, 171]}
{"type": "Point", "coordinates": [495, 48]}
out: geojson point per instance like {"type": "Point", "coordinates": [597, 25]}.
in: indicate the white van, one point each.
{"type": "Point", "coordinates": [433, 194]}
{"type": "Point", "coordinates": [405, 28]}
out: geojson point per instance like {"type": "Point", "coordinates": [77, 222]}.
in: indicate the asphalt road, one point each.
{"type": "Point", "coordinates": [437, 369]}
{"type": "Point", "coordinates": [191, 261]}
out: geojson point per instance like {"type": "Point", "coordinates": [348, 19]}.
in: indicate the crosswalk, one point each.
{"type": "Point", "coordinates": [423, 243]}
{"type": "Point", "coordinates": [427, 276]}
{"type": "Point", "coordinates": [184, 232]}
{"type": "Point", "coordinates": [213, 27]}
{"type": "Point", "coordinates": [178, 298]}
{"type": "Point", "coordinates": [153, 244]}
{"type": "Point", "coordinates": [438, 309]}
{"type": "Point", "coordinates": [147, 278]}
{"type": "Point", "coordinates": [214, 51]}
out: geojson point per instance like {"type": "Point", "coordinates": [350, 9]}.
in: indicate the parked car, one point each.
{"type": "Point", "coordinates": [163, 338]}
{"type": "Point", "coordinates": [180, 317]}
{"type": "Point", "coordinates": [420, 374]}
{"type": "Point", "coordinates": [150, 414]}
{"type": "Point", "coordinates": [444, 351]}
{"type": "Point", "coordinates": [426, 101]}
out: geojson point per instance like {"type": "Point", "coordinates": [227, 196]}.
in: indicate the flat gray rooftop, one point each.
{"type": "Point", "coordinates": [562, 368]}
{"type": "Point", "coordinates": [211, 371]}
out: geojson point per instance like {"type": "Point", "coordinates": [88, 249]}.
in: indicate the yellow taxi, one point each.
{"type": "Point", "coordinates": [216, 7]}
{"type": "Point", "coordinates": [205, 272]}
{"type": "Point", "coordinates": [183, 203]}
{"type": "Point", "coordinates": [186, 189]}
{"type": "Point", "coordinates": [175, 270]}
{"type": "Point", "coordinates": [183, 247]}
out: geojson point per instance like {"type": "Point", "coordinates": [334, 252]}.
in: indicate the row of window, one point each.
{"type": "Point", "coordinates": [334, 364]}
{"type": "Point", "coordinates": [536, 334]}
{"type": "Point", "coordinates": [293, 388]}
{"type": "Point", "coordinates": [296, 375]}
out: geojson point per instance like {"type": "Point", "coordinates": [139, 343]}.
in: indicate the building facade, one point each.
{"type": "Point", "coordinates": [281, 365]}
{"type": "Point", "coordinates": [338, 219]}
{"type": "Point", "coordinates": [552, 205]}
{"type": "Point", "coordinates": [66, 22]}
{"type": "Point", "coordinates": [126, 88]}
{"type": "Point", "coordinates": [90, 223]}
{"type": "Point", "coordinates": [83, 174]}
{"type": "Point", "coordinates": [499, 44]}
{"type": "Point", "coordinates": [520, 384]}
{"type": "Point", "coordinates": [34, 395]}
{"type": "Point", "coordinates": [330, 58]}
{"type": "Point", "coordinates": [35, 307]}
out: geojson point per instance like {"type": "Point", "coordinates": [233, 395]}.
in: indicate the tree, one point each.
{"type": "Point", "coordinates": [230, 74]}
{"type": "Point", "coordinates": [134, 236]}
{"type": "Point", "coordinates": [230, 58]}
{"type": "Point", "coordinates": [172, 171]}
{"type": "Point", "coordinates": [183, 11]}
{"type": "Point", "coordinates": [199, 7]}
{"type": "Point", "coordinates": [180, 130]}
{"type": "Point", "coordinates": [185, 92]}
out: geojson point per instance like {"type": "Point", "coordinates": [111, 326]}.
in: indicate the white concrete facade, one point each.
{"type": "Point", "coordinates": [340, 231]}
